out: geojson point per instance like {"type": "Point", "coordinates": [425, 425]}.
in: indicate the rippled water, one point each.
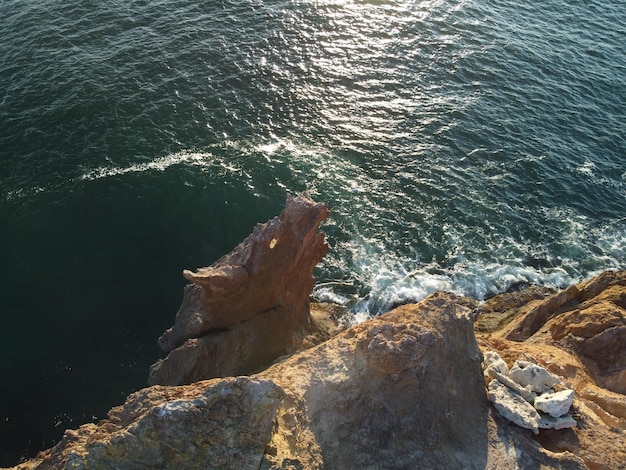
{"type": "Point", "coordinates": [460, 145]}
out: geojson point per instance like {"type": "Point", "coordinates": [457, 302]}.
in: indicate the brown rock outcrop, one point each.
{"type": "Point", "coordinates": [251, 305]}
{"type": "Point", "coordinates": [212, 424]}
{"type": "Point", "coordinates": [589, 320]}
{"type": "Point", "coordinates": [404, 390]}
{"type": "Point", "coordinates": [580, 335]}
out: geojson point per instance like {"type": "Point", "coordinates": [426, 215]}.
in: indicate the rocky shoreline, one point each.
{"type": "Point", "coordinates": [409, 389]}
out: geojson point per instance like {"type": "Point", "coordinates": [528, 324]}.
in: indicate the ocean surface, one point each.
{"type": "Point", "coordinates": [471, 146]}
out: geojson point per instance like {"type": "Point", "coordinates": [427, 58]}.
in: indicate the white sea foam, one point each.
{"type": "Point", "coordinates": [22, 192]}
{"type": "Point", "coordinates": [477, 261]}
{"type": "Point", "coordinates": [158, 164]}
{"type": "Point", "coordinates": [384, 274]}
{"type": "Point", "coordinates": [326, 294]}
{"type": "Point", "coordinates": [383, 278]}
{"type": "Point", "coordinates": [389, 289]}
{"type": "Point", "coordinates": [410, 281]}
{"type": "Point", "coordinates": [587, 168]}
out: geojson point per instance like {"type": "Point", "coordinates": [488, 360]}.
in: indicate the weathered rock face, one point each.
{"type": "Point", "coordinates": [513, 407]}
{"type": "Point", "coordinates": [251, 305]}
{"type": "Point", "coordinates": [555, 404]}
{"type": "Point", "coordinates": [596, 329]}
{"type": "Point", "coordinates": [404, 390]}
{"type": "Point", "coordinates": [578, 335]}
{"type": "Point", "coordinates": [212, 424]}
{"type": "Point", "coordinates": [588, 319]}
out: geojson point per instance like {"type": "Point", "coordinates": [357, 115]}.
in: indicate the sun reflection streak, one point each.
{"type": "Point", "coordinates": [361, 79]}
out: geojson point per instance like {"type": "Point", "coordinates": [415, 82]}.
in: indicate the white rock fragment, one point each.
{"type": "Point", "coordinates": [562, 422]}
{"type": "Point", "coordinates": [493, 361]}
{"type": "Point", "coordinates": [495, 368]}
{"type": "Point", "coordinates": [515, 393]}
{"type": "Point", "coordinates": [555, 404]}
{"type": "Point", "coordinates": [525, 393]}
{"type": "Point", "coordinates": [527, 373]}
{"type": "Point", "coordinates": [513, 407]}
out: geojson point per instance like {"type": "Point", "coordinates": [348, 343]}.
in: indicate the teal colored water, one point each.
{"type": "Point", "coordinates": [467, 146]}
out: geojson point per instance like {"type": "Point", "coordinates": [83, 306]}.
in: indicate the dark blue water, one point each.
{"type": "Point", "coordinates": [465, 146]}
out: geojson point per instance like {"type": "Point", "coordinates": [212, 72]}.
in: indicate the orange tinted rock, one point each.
{"type": "Point", "coordinates": [580, 336]}
{"type": "Point", "coordinates": [589, 321]}
{"type": "Point", "coordinates": [251, 305]}
{"type": "Point", "coordinates": [404, 390]}
{"type": "Point", "coordinates": [529, 322]}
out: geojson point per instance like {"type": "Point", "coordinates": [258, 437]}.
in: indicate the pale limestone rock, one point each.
{"type": "Point", "coordinates": [513, 407]}
{"type": "Point", "coordinates": [555, 404]}
{"type": "Point", "coordinates": [493, 361]}
{"type": "Point", "coordinates": [561, 422]}
{"type": "Point", "coordinates": [538, 378]}
{"type": "Point", "coordinates": [523, 392]}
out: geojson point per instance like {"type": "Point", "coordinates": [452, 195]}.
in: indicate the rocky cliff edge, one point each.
{"type": "Point", "coordinates": [404, 390]}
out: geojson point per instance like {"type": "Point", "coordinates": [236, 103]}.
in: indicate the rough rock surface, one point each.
{"type": "Point", "coordinates": [514, 394]}
{"type": "Point", "coordinates": [250, 306]}
{"type": "Point", "coordinates": [513, 407]}
{"type": "Point", "coordinates": [537, 378]}
{"type": "Point", "coordinates": [404, 390]}
{"type": "Point", "coordinates": [213, 424]}
{"type": "Point", "coordinates": [576, 334]}
{"type": "Point", "coordinates": [555, 404]}
{"type": "Point", "coordinates": [494, 363]}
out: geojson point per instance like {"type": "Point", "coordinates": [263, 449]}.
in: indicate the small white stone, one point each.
{"type": "Point", "coordinates": [528, 373]}
{"type": "Point", "coordinates": [562, 422]}
{"type": "Point", "coordinates": [493, 361]}
{"type": "Point", "coordinates": [513, 407]}
{"type": "Point", "coordinates": [555, 404]}
{"type": "Point", "coordinates": [523, 392]}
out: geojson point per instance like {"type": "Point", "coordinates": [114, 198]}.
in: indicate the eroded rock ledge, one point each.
{"type": "Point", "coordinates": [579, 335]}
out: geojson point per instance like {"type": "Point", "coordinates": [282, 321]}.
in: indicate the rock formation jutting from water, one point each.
{"type": "Point", "coordinates": [251, 305]}
{"type": "Point", "coordinates": [404, 390]}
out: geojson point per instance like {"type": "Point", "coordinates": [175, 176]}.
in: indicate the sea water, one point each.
{"type": "Point", "coordinates": [466, 146]}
